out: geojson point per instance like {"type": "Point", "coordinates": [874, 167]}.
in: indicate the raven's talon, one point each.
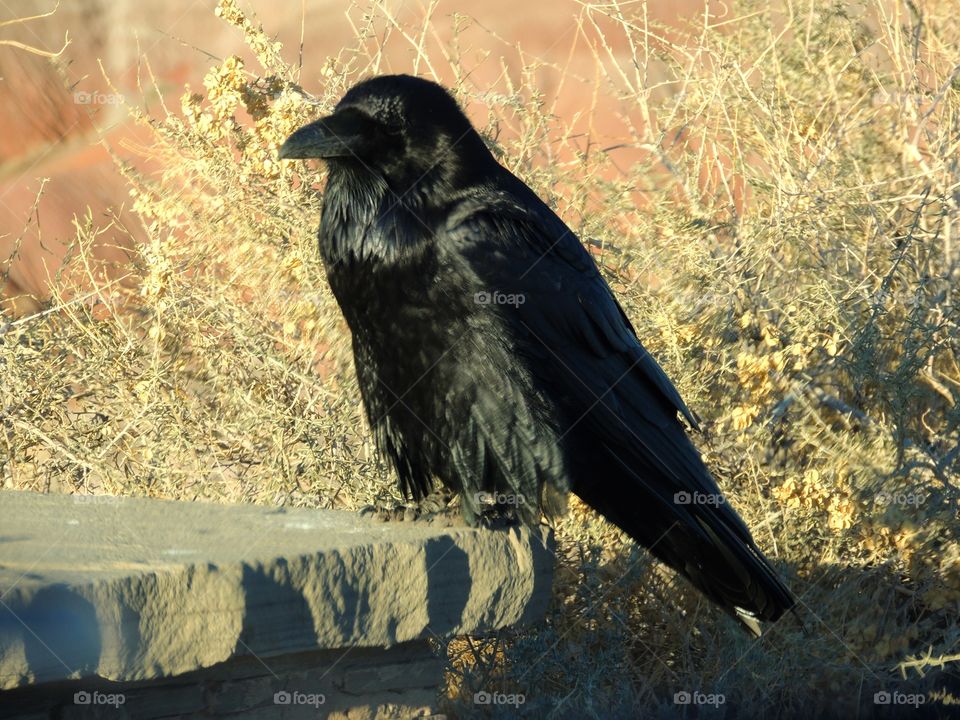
{"type": "Point", "coordinates": [497, 521]}
{"type": "Point", "coordinates": [381, 513]}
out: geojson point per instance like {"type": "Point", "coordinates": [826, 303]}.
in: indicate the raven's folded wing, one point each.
{"type": "Point", "coordinates": [563, 317]}
{"type": "Point", "coordinates": [630, 455]}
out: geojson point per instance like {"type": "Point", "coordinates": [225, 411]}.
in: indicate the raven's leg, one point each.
{"type": "Point", "coordinates": [435, 507]}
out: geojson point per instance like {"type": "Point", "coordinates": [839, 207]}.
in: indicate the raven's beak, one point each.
{"type": "Point", "coordinates": [320, 139]}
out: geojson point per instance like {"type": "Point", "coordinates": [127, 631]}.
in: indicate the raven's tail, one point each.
{"type": "Point", "coordinates": [732, 572]}
{"type": "Point", "coordinates": [706, 543]}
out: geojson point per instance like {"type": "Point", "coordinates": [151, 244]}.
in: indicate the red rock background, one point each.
{"type": "Point", "coordinates": [58, 117]}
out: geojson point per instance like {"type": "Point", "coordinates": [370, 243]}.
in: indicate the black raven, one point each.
{"type": "Point", "coordinates": [492, 355]}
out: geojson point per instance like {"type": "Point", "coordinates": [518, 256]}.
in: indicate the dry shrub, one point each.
{"type": "Point", "coordinates": [785, 244]}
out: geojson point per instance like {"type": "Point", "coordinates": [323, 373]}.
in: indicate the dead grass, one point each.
{"type": "Point", "coordinates": [785, 242]}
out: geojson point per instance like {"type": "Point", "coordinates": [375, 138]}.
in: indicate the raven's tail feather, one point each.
{"type": "Point", "coordinates": [734, 573]}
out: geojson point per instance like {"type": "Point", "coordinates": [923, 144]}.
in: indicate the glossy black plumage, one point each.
{"type": "Point", "coordinates": [491, 354]}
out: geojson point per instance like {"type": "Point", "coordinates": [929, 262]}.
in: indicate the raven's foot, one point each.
{"type": "Point", "coordinates": [435, 508]}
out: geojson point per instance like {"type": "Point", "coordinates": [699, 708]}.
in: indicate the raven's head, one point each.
{"type": "Point", "coordinates": [398, 126]}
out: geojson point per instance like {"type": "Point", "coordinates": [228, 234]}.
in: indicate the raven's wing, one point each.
{"type": "Point", "coordinates": [631, 458]}
{"type": "Point", "coordinates": [565, 319]}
